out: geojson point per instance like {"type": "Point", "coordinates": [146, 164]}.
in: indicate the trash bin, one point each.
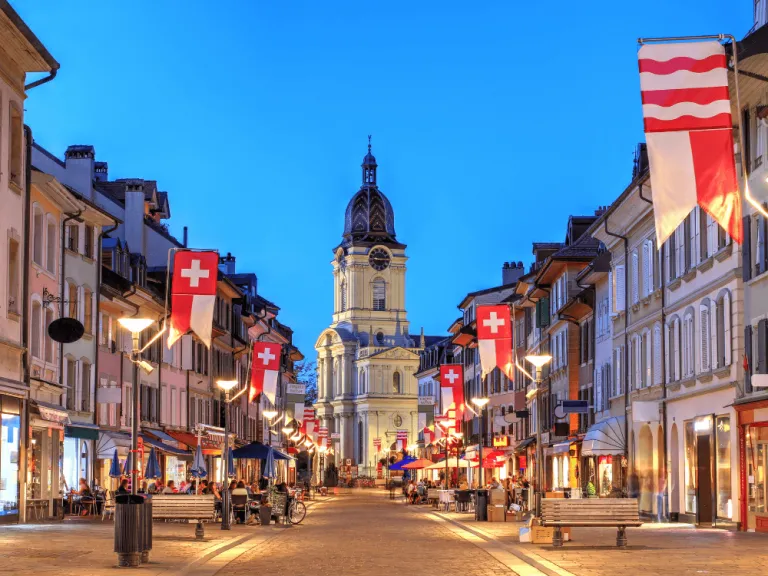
{"type": "Point", "coordinates": [146, 528]}
{"type": "Point", "coordinates": [129, 531]}
{"type": "Point", "coordinates": [481, 505]}
{"type": "Point", "coordinates": [265, 515]}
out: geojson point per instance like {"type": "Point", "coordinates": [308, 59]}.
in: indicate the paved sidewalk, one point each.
{"type": "Point", "coordinates": [654, 549]}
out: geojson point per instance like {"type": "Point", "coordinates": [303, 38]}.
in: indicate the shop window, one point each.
{"type": "Point", "coordinates": [690, 468]}
{"type": "Point", "coordinates": [723, 465]}
{"type": "Point", "coordinates": [9, 470]}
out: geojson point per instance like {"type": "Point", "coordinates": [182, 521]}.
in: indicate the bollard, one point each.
{"type": "Point", "coordinates": [128, 530]}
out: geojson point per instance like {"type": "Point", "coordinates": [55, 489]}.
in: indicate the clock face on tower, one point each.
{"type": "Point", "coordinates": [379, 259]}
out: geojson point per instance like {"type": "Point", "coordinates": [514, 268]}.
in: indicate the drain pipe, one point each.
{"type": "Point", "coordinates": [665, 447]}
{"type": "Point", "coordinates": [626, 337]}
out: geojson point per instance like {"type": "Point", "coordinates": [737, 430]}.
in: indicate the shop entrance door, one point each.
{"type": "Point", "coordinates": [757, 461]}
{"type": "Point", "coordinates": [704, 478]}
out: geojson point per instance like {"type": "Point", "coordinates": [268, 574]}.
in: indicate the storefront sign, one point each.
{"type": "Point", "coordinates": [335, 436]}
{"type": "Point", "coordinates": [426, 400]}
{"type": "Point", "coordinates": [500, 441]}
{"type": "Point", "coordinates": [296, 389]}
{"type": "Point", "coordinates": [522, 462]}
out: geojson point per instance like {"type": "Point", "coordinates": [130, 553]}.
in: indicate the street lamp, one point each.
{"type": "Point", "coordinates": [269, 414]}
{"type": "Point", "coordinates": [226, 386]}
{"type": "Point", "coordinates": [538, 361]}
{"type": "Point", "coordinates": [321, 471]}
{"type": "Point", "coordinates": [480, 403]}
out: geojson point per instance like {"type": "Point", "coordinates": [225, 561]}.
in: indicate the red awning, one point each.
{"type": "Point", "coordinates": [209, 445]}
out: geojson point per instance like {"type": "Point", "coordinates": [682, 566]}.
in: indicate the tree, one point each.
{"type": "Point", "coordinates": [306, 373]}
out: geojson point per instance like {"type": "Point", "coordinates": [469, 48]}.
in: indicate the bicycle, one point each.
{"type": "Point", "coordinates": [296, 511]}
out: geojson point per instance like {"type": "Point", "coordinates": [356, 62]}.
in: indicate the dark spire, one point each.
{"type": "Point", "coordinates": [369, 167]}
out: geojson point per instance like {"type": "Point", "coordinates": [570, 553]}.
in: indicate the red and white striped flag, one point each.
{"type": "Point", "coordinates": [377, 444]}
{"type": "Point", "coordinates": [494, 339]}
{"type": "Point", "coordinates": [688, 130]}
{"type": "Point", "coordinates": [265, 367]}
{"type": "Point", "coordinates": [193, 295]}
{"type": "Point", "coordinates": [402, 439]}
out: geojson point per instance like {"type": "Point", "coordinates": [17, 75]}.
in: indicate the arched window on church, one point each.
{"type": "Point", "coordinates": [362, 382]}
{"type": "Point", "coordinates": [396, 383]}
{"type": "Point", "coordinates": [379, 294]}
{"type": "Point", "coordinates": [343, 289]}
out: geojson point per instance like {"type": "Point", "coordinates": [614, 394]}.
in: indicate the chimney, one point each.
{"type": "Point", "coordinates": [510, 272]}
{"type": "Point", "coordinates": [227, 264]}
{"type": "Point", "coordinates": [101, 172]}
{"type": "Point", "coordinates": [185, 236]}
{"type": "Point", "coordinates": [134, 214]}
{"type": "Point", "coordinates": [79, 169]}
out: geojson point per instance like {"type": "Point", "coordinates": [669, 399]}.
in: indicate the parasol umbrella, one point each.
{"type": "Point", "coordinates": [198, 469]}
{"type": "Point", "coordinates": [419, 464]}
{"type": "Point", "coordinates": [114, 469]}
{"type": "Point", "coordinates": [269, 465]}
{"type": "Point", "coordinates": [127, 466]}
{"type": "Point", "coordinates": [231, 464]}
{"type": "Point", "coordinates": [153, 466]}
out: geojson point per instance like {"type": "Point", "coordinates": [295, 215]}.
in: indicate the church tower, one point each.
{"type": "Point", "coordinates": [367, 357]}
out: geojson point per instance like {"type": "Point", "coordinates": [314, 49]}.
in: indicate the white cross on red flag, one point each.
{"type": "Point", "coordinates": [193, 295]}
{"type": "Point", "coordinates": [689, 134]}
{"type": "Point", "coordinates": [265, 366]}
{"type": "Point", "coordinates": [494, 339]}
{"type": "Point", "coordinates": [452, 390]}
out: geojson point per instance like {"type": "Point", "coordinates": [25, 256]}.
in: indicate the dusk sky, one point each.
{"type": "Point", "coordinates": [492, 122]}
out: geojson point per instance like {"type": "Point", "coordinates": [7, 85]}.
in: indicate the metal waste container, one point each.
{"type": "Point", "coordinates": [129, 530]}
{"type": "Point", "coordinates": [265, 515]}
{"type": "Point", "coordinates": [146, 528]}
{"type": "Point", "coordinates": [481, 505]}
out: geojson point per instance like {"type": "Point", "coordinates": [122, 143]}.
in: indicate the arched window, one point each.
{"type": "Point", "coordinates": [37, 235]}
{"type": "Point", "coordinates": [88, 310]}
{"type": "Point", "coordinates": [85, 385]}
{"type": "Point", "coordinates": [49, 348]}
{"type": "Point", "coordinates": [363, 389]}
{"type": "Point", "coordinates": [688, 345]}
{"type": "Point", "coordinates": [723, 332]}
{"type": "Point", "coordinates": [72, 300]}
{"type": "Point", "coordinates": [36, 321]}
{"type": "Point", "coordinates": [343, 288]}
{"type": "Point", "coordinates": [396, 389]}
{"type": "Point", "coordinates": [50, 245]}
{"type": "Point", "coordinates": [657, 353]}
{"type": "Point", "coordinates": [379, 294]}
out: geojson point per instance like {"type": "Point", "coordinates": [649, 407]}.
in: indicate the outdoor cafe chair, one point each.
{"type": "Point", "coordinates": [240, 505]}
{"type": "Point", "coordinates": [108, 507]}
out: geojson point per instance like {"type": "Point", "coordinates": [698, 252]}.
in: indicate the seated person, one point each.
{"type": "Point", "coordinates": [240, 490]}
{"type": "Point", "coordinates": [123, 488]}
{"type": "Point", "coordinates": [170, 488]}
{"type": "Point", "coordinates": [86, 496]}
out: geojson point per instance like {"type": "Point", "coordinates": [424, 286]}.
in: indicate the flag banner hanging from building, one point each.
{"type": "Point", "coordinates": [451, 386]}
{"type": "Point", "coordinates": [402, 439]}
{"type": "Point", "coordinates": [689, 134]}
{"type": "Point", "coordinates": [265, 367]}
{"type": "Point", "coordinates": [193, 295]}
{"type": "Point", "coordinates": [429, 434]}
{"type": "Point", "coordinates": [377, 444]}
{"type": "Point", "coordinates": [494, 339]}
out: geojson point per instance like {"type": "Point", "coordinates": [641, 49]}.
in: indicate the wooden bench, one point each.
{"type": "Point", "coordinates": [185, 507]}
{"type": "Point", "coordinates": [559, 513]}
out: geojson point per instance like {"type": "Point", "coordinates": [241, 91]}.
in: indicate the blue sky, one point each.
{"type": "Point", "coordinates": [491, 121]}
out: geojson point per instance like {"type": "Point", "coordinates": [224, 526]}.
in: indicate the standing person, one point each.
{"type": "Point", "coordinates": [263, 483]}
{"type": "Point", "coordinates": [660, 516]}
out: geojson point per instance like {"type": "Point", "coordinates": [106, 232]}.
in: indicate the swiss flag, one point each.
{"type": "Point", "coordinates": [265, 367]}
{"type": "Point", "coordinates": [494, 339]}
{"type": "Point", "coordinates": [452, 390]}
{"type": "Point", "coordinates": [193, 294]}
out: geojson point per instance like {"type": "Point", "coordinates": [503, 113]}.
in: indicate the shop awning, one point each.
{"type": "Point", "coordinates": [51, 413]}
{"type": "Point", "coordinates": [209, 445]}
{"type": "Point", "coordinates": [561, 448]}
{"type": "Point", "coordinates": [109, 441]}
{"type": "Point", "coordinates": [83, 431]}
{"type": "Point", "coordinates": [167, 448]}
{"type": "Point", "coordinates": [525, 443]}
{"type": "Point", "coordinates": [159, 434]}
{"type": "Point", "coordinates": [605, 438]}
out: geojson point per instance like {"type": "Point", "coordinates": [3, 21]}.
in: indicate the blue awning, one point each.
{"type": "Point", "coordinates": [399, 465]}
{"type": "Point", "coordinates": [165, 447]}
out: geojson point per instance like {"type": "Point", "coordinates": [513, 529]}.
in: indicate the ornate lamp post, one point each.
{"type": "Point", "coordinates": [538, 361]}
{"type": "Point", "coordinates": [480, 403]}
{"type": "Point", "coordinates": [226, 386]}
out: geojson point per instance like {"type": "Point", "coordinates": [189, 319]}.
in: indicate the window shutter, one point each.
{"type": "Point", "coordinates": [667, 348]}
{"type": "Point", "coordinates": [727, 341]}
{"type": "Point", "coordinates": [705, 337]}
{"type": "Point", "coordinates": [746, 249]}
{"type": "Point", "coordinates": [760, 259]}
{"type": "Point", "coordinates": [651, 265]}
{"type": "Point", "coordinates": [712, 233]}
{"type": "Point", "coordinates": [620, 288]}
{"type": "Point", "coordinates": [714, 348]}
{"type": "Point", "coordinates": [762, 338]}
{"type": "Point", "coordinates": [748, 354]}
{"type": "Point", "coordinates": [696, 236]}
{"type": "Point", "coordinates": [657, 356]}
{"type": "Point", "coordinates": [680, 254]}
{"type": "Point", "coordinates": [598, 379]}
{"type": "Point", "coordinates": [635, 281]}
{"type": "Point", "coordinates": [676, 349]}
{"type": "Point", "coordinates": [610, 292]}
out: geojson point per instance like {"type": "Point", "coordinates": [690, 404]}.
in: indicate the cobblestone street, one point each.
{"type": "Point", "coordinates": [365, 533]}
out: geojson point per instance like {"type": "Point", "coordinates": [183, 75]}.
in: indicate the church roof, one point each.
{"type": "Point", "coordinates": [369, 216]}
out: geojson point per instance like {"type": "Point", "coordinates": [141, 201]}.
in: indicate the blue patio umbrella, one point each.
{"type": "Point", "coordinates": [270, 470]}
{"type": "Point", "coordinates": [231, 464]}
{"type": "Point", "coordinates": [127, 466]}
{"type": "Point", "coordinates": [198, 469]}
{"type": "Point", "coordinates": [114, 469]}
{"type": "Point", "coordinates": [153, 466]}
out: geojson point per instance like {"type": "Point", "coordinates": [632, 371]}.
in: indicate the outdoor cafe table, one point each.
{"type": "Point", "coordinates": [445, 497]}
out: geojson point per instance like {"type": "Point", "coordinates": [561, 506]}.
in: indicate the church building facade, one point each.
{"type": "Point", "coordinates": [367, 358]}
